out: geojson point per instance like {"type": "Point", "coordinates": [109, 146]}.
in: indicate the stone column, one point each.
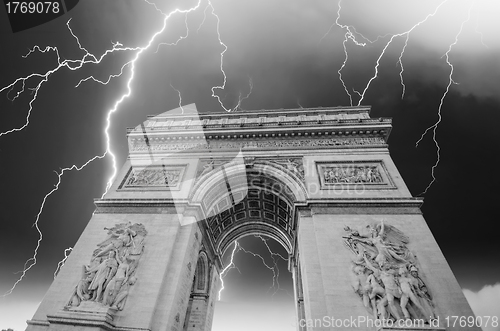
{"type": "Point", "coordinates": [310, 268]}
{"type": "Point", "coordinates": [299, 297]}
{"type": "Point", "coordinates": [174, 297]}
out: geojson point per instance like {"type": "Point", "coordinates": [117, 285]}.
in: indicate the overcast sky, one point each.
{"type": "Point", "coordinates": [292, 51]}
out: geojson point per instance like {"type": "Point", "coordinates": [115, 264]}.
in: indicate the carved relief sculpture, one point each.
{"type": "Point", "coordinates": [293, 165]}
{"type": "Point", "coordinates": [352, 174]}
{"type": "Point", "coordinates": [153, 177]}
{"type": "Point", "coordinates": [206, 166]}
{"type": "Point", "coordinates": [385, 274]}
{"type": "Point", "coordinates": [110, 274]}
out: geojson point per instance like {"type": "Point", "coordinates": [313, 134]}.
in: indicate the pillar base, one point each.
{"type": "Point", "coordinates": [88, 313]}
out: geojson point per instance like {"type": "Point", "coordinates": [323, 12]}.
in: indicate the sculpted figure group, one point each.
{"type": "Point", "coordinates": [110, 273]}
{"type": "Point", "coordinates": [352, 174]}
{"type": "Point", "coordinates": [385, 274]}
{"type": "Point", "coordinates": [153, 177]}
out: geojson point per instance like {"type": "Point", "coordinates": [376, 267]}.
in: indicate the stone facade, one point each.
{"type": "Point", "coordinates": [313, 179]}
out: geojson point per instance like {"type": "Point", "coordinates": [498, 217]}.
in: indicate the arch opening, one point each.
{"type": "Point", "coordinates": [260, 210]}
{"type": "Point", "coordinates": [256, 199]}
{"type": "Point", "coordinates": [260, 294]}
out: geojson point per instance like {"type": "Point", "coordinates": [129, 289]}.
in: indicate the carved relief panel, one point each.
{"type": "Point", "coordinates": [110, 274]}
{"type": "Point", "coordinates": [370, 174]}
{"type": "Point", "coordinates": [155, 177]}
{"type": "Point", "coordinates": [386, 275]}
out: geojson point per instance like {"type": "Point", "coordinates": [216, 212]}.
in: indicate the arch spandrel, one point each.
{"type": "Point", "coordinates": [294, 188]}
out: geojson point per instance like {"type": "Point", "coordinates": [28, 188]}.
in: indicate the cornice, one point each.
{"type": "Point", "coordinates": [244, 125]}
{"type": "Point", "coordinates": [338, 127]}
{"type": "Point", "coordinates": [379, 203]}
{"type": "Point", "coordinates": [401, 201]}
{"type": "Point", "coordinates": [267, 112]}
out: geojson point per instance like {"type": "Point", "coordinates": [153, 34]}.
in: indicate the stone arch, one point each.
{"type": "Point", "coordinates": [255, 228]}
{"type": "Point", "coordinates": [258, 198]}
{"type": "Point", "coordinates": [295, 188]}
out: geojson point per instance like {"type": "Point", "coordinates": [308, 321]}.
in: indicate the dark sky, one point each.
{"type": "Point", "coordinates": [282, 46]}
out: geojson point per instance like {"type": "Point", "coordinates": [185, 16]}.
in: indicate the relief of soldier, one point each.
{"type": "Point", "coordinates": [352, 174]}
{"type": "Point", "coordinates": [385, 274]}
{"type": "Point", "coordinates": [110, 274]}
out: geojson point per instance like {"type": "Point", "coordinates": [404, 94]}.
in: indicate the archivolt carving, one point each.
{"type": "Point", "coordinates": [111, 272]}
{"type": "Point", "coordinates": [294, 165]}
{"type": "Point", "coordinates": [385, 274]}
{"type": "Point", "coordinates": [208, 165]}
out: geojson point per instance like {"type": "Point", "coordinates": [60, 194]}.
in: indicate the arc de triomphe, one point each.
{"type": "Point", "coordinates": [320, 181]}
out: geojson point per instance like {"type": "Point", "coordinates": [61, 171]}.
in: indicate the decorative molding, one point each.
{"type": "Point", "coordinates": [249, 119]}
{"type": "Point", "coordinates": [370, 174]}
{"type": "Point", "coordinates": [305, 212]}
{"type": "Point", "coordinates": [140, 145]}
{"type": "Point", "coordinates": [293, 165]}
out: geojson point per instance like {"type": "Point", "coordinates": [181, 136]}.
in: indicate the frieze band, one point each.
{"type": "Point", "coordinates": [141, 146]}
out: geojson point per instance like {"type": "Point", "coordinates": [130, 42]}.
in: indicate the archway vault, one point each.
{"type": "Point", "coordinates": [241, 199]}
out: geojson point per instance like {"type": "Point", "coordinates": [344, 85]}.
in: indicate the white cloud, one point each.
{"type": "Point", "coordinates": [485, 302]}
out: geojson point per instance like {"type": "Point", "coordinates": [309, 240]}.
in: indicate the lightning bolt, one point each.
{"type": "Point", "coordinates": [476, 29]}
{"type": "Point", "coordinates": [32, 260]}
{"type": "Point", "coordinates": [180, 97]}
{"type": "Point", "coordinates": [407, 34]}
{"type": "Point", "coordinates": [230, 266]}
{"type": "Point", "coordinates": [87, 58]}
{"type": "Point", "coordinates": [298, 104]}
{"type": "Point", "coordinates": [273, 255]}
{"type": "Point", "coordinates": [60, 264]}
{"type": "Point", "coordinates": [275, 274]}
{"type": "Point", "coordinates": [240, 99]}
{"type": "Point", "coordinates": [44, 77]}
{"type": "Point", "coordinates": [204, 17]}
{"type": "Point", "coordinates": [349, 35]}
{"type": "Point", "coordinates": [274, 269]}
{"type": "Point", "coordinates": [434, 127]}
{"type": "Point", "coordinates": [180, 38]}
{"type": "Point", "coordinates": [223, 86]}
